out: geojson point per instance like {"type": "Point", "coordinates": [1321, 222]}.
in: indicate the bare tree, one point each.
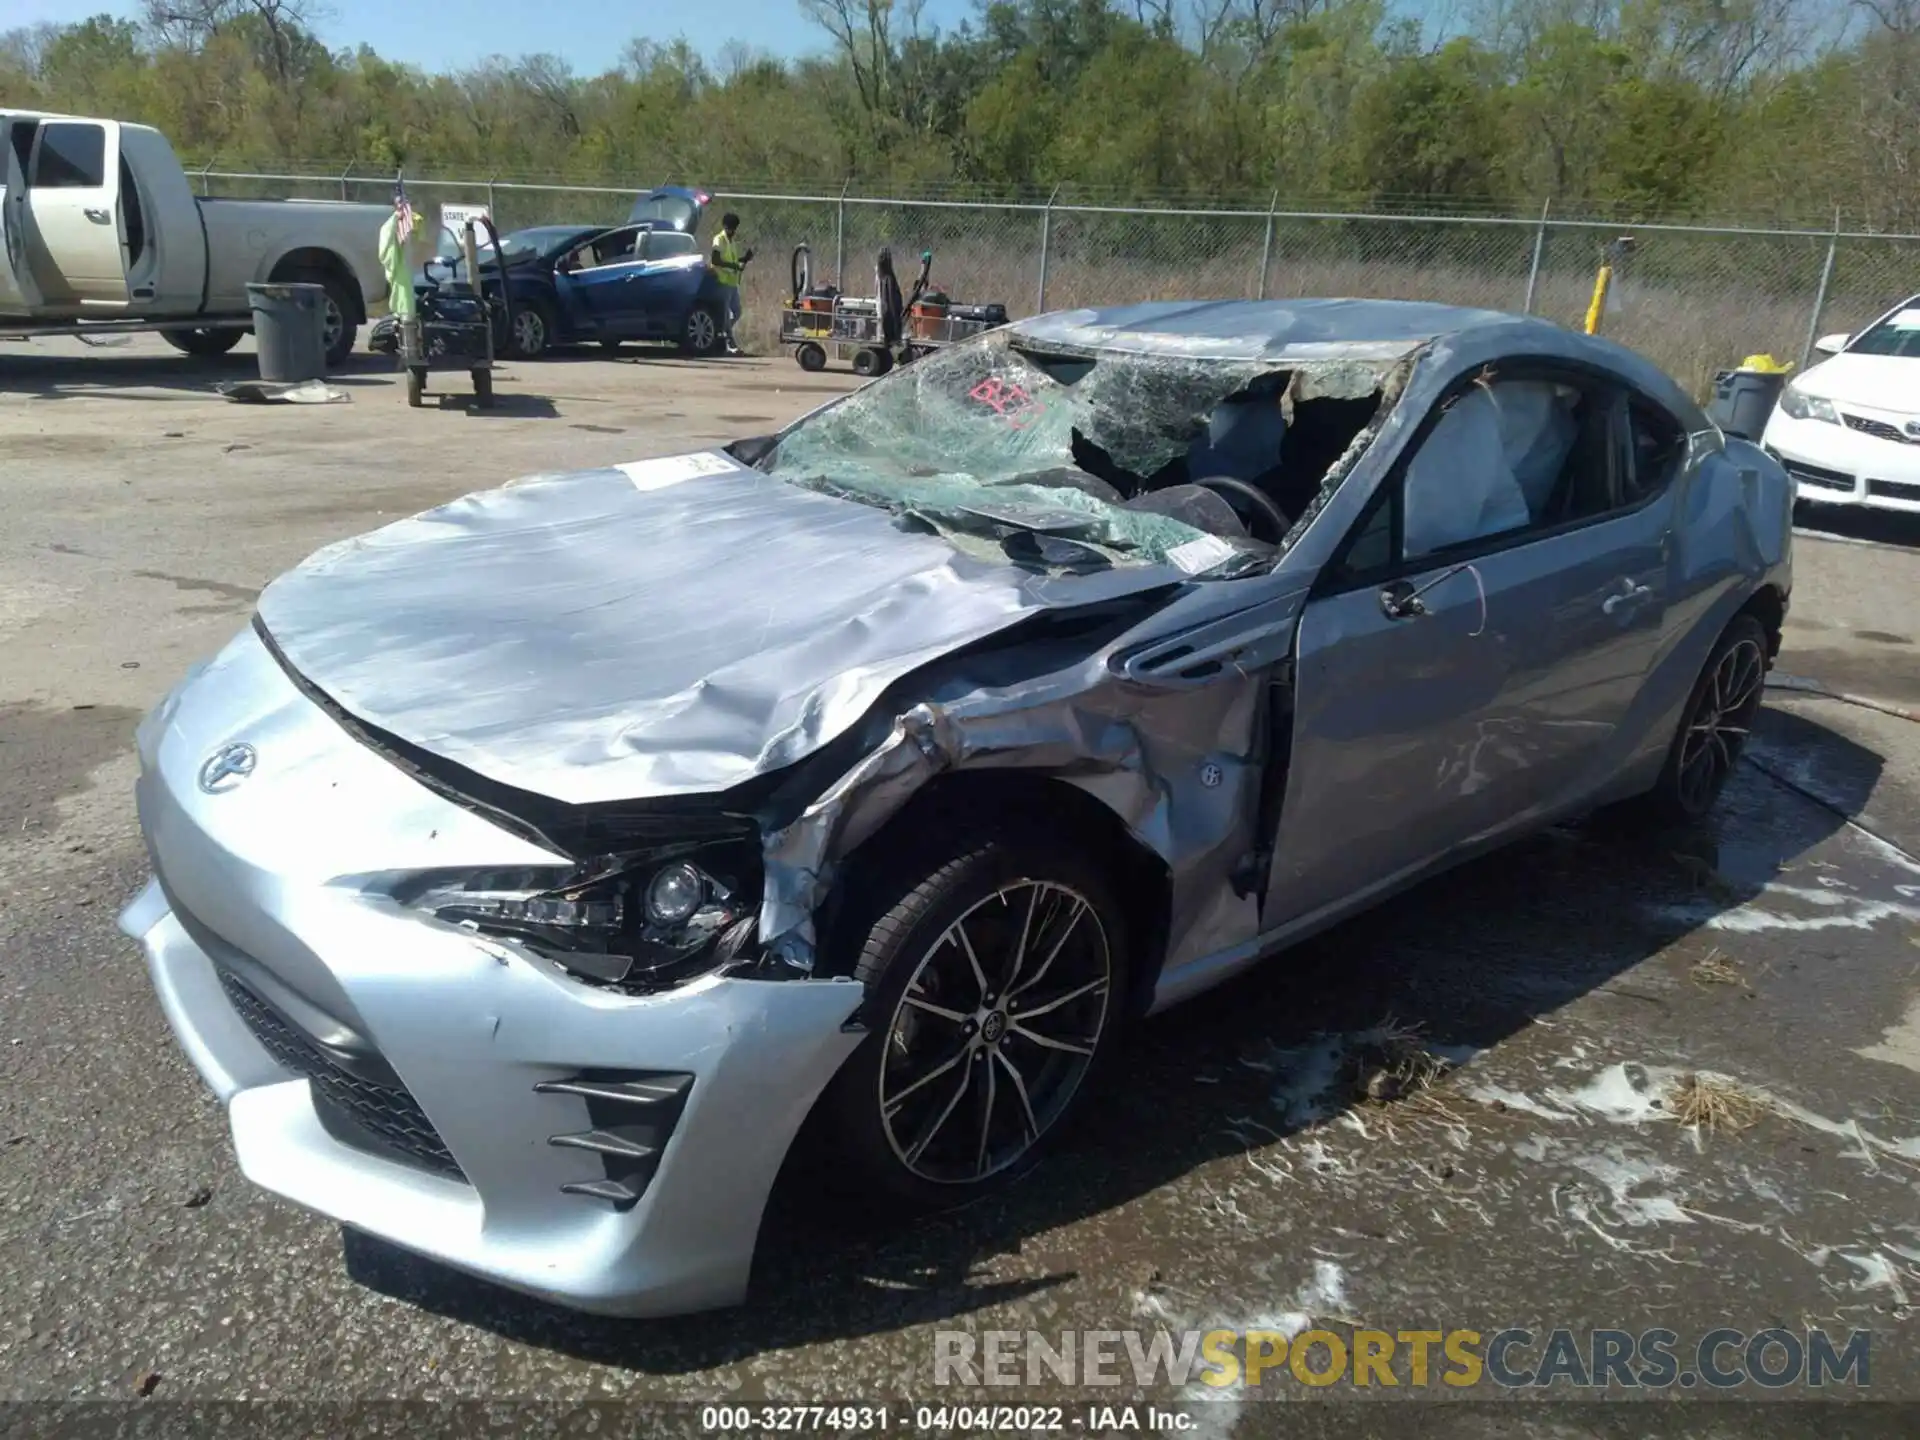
{"type": "Point", "coordinates": [288, 25]}
{"type": "Point", "coordinates": [862, 30]}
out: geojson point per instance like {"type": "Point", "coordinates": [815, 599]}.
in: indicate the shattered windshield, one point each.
{"type": "Point", "coordinates": [1068, 460]}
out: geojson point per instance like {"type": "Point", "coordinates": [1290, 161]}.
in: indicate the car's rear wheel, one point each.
{"type": "Point", "coordinates": [995, 969]}
{"type": "Point", "coordinates": [203, 343]}
{"type": "Point", "coordinates": [1714, 727]}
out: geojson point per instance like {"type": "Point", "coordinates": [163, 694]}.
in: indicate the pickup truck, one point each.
{"type": "Point", "coordinates": [104, 233]}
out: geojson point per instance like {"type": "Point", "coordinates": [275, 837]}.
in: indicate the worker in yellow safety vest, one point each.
{"type": "Point", "coordinates": [728, 261]}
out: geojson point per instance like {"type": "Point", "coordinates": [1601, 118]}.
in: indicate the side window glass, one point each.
{"type": "Point", "coordinates": [1659, 445]}
{"type": "Point", "coordinates": [1372, 548]}
{"type": "Point", "coordinates": [72, 157]}
{"type": "Point", "coordinates": [1508, 456]}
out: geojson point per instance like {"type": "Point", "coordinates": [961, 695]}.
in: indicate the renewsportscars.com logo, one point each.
{"type": "Point", "coordinates": [1721, 1359]}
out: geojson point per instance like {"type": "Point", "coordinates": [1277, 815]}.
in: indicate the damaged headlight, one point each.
{"type": "Point", "coordinates": [636, 921]}
{"type": "Point", "coordinates": [1796, 404]}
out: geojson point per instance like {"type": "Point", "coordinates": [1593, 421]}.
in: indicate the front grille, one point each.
{"type": "Point", "coordinates": [1894, 489]}
{"type": "Point", "coordinates": [1879, 429]}
{"type": "Point", "coordinates": [1818, 479]}
{"type": "Point", "coordinates": [383, 1119]}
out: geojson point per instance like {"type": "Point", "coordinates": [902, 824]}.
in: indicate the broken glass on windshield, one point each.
{"type": "Point", "coordinates": [987, 438]}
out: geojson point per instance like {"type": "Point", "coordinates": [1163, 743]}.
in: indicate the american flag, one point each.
{"type": "Point", "coordinates": [403, 208]}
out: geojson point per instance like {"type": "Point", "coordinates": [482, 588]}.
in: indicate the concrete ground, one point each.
{"type": "Point", "coordinates": [1240, 1176]}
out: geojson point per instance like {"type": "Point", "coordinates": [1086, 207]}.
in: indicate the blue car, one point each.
{"type": "Point", "coordinates": [572, 284]}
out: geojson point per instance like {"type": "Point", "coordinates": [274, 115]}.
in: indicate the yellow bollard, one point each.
{"type": "Point", "coordinates": [1600, 284]}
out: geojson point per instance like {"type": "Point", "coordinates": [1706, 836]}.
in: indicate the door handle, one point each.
{"type": "Point", "coordinates": [1400, 601]}
{"type": "Point", "coordinates": [1630, 594]}
{"type": "Point", "coordinates": [99, 216]}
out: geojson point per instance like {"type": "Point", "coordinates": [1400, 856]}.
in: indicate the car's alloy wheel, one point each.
{"type": "Point", "coordinates": [995, 961]}
{"type": "Point", "coordinates": [529, 332]}
{"type": "Point", "coordinates": [995, 1032]}
{"type": "Point", "coordinates": [1719, 714]}
{"type": "Point", "coordinates": [1722, 715]}
{"type": "Point", "coordinates": [703, 332]}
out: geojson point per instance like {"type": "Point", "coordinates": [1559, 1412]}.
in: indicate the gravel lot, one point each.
{"type": "Point", "coordinates": [1236, 1180]}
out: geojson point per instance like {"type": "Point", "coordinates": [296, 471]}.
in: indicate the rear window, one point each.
{"type": "Point", "coordinates": [71, 157]}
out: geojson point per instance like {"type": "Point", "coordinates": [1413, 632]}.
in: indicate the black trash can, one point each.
{"type": "Point", "coordinates": [290, 331]}
{"type": "Point", "coordinates": [1743, 400]}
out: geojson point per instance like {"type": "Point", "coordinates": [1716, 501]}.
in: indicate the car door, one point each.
{"type": "Point", "coordinates": [668, 283]}
{"type": "Point", "coordinates": [597, 290]}
{"type": "Point", "coordinates": [73, 191]}
{"type": "Point", "coordinates": [1467, 661]}
{"type": "Point", "coordinates": [19, 291]}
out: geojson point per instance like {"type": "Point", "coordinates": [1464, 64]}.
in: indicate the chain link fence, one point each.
{"type": "Point", "coordinates": [1693, 298]}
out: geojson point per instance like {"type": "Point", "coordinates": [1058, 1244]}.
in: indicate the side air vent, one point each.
{"type": "Point", "coordinates": [633, 1114]}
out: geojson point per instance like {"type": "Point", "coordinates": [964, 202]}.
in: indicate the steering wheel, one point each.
{"type": "Point", "coordinates": [1244, 497]}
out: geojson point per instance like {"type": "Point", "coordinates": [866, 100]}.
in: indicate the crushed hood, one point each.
{"type": "Point", "coordinates": [666, 627]}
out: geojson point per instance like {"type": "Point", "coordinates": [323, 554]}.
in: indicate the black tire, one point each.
{"type": "Point", "coordinates": [206, 344]}
{"type": "Point", "coordinates": [416, 387]}
{"type": "Point", "coordinates": [483, 389]}
{"type": "Point", "coordinates": [869, 362]}
{"type": "Point", "coordinates": [897, 1134]}
{"type": "Point", "coordinates": [703, 335]}
{"type": "Point", "coordinates": [810, 357]}
{"type": "Point", "coordinates": [1713, 729]}
{"type": "Point", "coordinates": [341, 329]}
{"type": "Point", "coordinates": [532, 334]}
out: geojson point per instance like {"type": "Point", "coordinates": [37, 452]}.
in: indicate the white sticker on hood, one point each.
{"type": "Point", "coordinates": [1196, 557]}
{"type": "Point", "coordinates": [673, 469]}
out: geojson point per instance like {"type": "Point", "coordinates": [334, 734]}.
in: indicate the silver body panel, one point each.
{"type": "Point", "coordinates": [690, 628]}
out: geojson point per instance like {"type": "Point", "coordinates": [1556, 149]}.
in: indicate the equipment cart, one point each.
{"type": "Point", "coordinates": [456, 325]}
{"type": "Point", "coordinates": [822, 325]}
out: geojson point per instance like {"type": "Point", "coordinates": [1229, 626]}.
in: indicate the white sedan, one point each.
{"type": "Point", "coordinates": [1848, 430]}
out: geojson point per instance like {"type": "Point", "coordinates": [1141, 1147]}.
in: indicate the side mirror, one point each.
{"type": "Point", "coordinates": [1832, 344]}
{"type": "Point", "coordinates": [1399, 601]}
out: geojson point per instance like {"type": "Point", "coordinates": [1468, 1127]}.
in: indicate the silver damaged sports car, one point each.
{"type": "Point", "coordinates": [532, 870]}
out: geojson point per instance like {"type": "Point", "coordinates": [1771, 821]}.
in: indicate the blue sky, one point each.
{"type": "Point", "coordinates": [451, 36]}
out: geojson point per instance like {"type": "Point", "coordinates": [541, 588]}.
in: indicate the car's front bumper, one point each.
{"type": "Point", "coordinates": [273, 962]}
{"type": "Point", "coordinates": [1838, 465]}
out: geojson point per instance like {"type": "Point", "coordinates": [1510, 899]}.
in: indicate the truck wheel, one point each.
{"type": "Point", "coordinates": [811, 357]}
{"type": "Point", "coordinates": [338, 331]}
{"type": "Point", "coordinates": [869, 362]}
{"type": "Point", "coordinates": [204, 343]}
{"type": "Point", "coordinates": [483, 389]}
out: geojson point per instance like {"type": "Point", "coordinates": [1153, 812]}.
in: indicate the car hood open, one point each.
{"type": "Point", "coordinates": [666, 627]}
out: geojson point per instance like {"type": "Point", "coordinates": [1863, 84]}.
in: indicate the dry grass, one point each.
{"type": "Point", "coordinates": [1716, 969]}
{"type": "Point", "coordinates": [1389, 1064]}
{"type": "Point", "coordinates": [1713, 1104]}
{"type": "Point", "coordinates": [1688, 333]}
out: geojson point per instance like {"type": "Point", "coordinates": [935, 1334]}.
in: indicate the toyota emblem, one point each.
{"type": "Point", "coordinates": [226, 768]}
